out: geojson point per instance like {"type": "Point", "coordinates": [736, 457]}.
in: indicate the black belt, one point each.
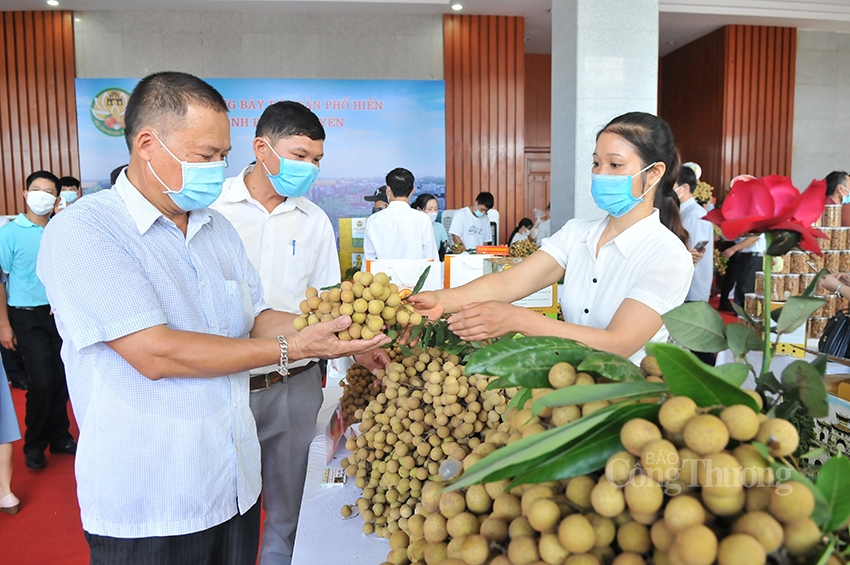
{"type": "Point", "coordinates": [261, 382]}
{"type": "Point", "coordinates": [30, 308]}
{"type": "Point", "coordinates": [750, 253]}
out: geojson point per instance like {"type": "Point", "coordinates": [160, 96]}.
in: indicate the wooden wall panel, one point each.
{"type": "Point", "coordinates": [729, 97]}
{"type": "Point", "coordinates": [38, 116]}
{"type": "Point", "coordinates": [485, 112]}
{"type": "Point", "coordinates": [759, 85]}
{"type": "Point", "coordinates": [538, 102]}
{"type": "Point", "coordinates": [692, 98]}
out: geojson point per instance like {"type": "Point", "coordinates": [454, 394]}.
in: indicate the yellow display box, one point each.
{"type": "Point", "coordinates": [351, 234]}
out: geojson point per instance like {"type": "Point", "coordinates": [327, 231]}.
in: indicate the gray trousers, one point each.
{"type": "Point", "coordinates": [286, 415]}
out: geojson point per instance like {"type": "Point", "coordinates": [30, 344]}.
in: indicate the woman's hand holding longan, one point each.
{"type": "Point", "coordinates": [427, 304]}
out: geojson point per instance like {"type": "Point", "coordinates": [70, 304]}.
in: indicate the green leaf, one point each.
{"type": "Point", "coordinates": [742, 339]}
{"type": "Point", "coordinates": [810, 387]}
{"type": "Point", "coordinates": [589, 453]}
{"type": "Point", "coordinates": [796, 311]}
{"type": "Point", "coordinates": [784, 473]}
{"type": "Point", "coordinates": [688, 376]}
{"type": "Point", "coordinates": [337, 285]}
{"type": "Point", "coordinates": [813, 286]}
{"type": "Point", "coordinates": [611, 366]}
{"type": "Point", "coordinates": [813, 454]}
{"type": "Point", "coordinates": [421, 282]}
{"type": "Point", "coordinates": [743, 314]}
{"type": "Point", "coordinates": [826, 552]}
{"type": "Point", "coordinates": [532, 447]}
{"type": "Point", "coordinates": [834, 482]}
{"type": "Point", "coordinates": [526, 361]}
{"type": "Point", "coordinates": [782, 242]}
{"type": "Point", "coordinates": [407, 351]}
{"type": "Point", "coordinates": [604, 391]}
{"type": "Point", "coordinates": [499, 383]}
{"type": "Point", "coordinates": [696, 326]}
{"type": "Point", "coordinates": [522, 396]}
{"type": "Point", "coordinates": [733, 373]}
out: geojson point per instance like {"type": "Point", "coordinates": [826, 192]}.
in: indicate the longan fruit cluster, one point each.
{"type": "Point", "coordinates": [428, 411]}
{"type": "Point", "coordinates": [457, 248]}
{"type": "Point", "coordinates": [360, 387]}
{"type": "Point", "coordinates": [372, 301]}
{"type": "Point", "coordinates": [523, 248]}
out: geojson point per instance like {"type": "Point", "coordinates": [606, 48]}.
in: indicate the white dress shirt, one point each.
{"type": "Point", "coordinates": [646, 263]}
{"type": "Point", "coordinates": [473, 231]}
{"type": "Point", "coordinates": [699, 230]}
{"type": "Point", "coordinates": [293, 247]}
{"type": "Point", "coordinates": [400, 232]}
{"type": "Point", "coordinates": [166, 457]}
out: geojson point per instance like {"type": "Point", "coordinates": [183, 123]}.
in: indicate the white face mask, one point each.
{"type": "Point", "coordinates": [40, 202]}
{"type": "Point", "coordinates": [432, 215]}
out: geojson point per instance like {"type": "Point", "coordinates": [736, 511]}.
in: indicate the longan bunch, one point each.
{"type": "Point", "coordinates": [457, 248]}
{"type": "Point", "coordinates": [523, 248]}
{"type": "Point", "coordinates": [360, 387]}
{"type": "Point", "coordinates": [703, 192]}
{"type": "Point", "coordinates": [372, 301]}
{"type": "Point", "coordinates": [429, 411]}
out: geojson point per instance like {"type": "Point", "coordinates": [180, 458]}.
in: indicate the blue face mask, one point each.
{"type": "Point", "coordinates": [202, 182]}
{"type": "Point", "coordinates": [294, 178]}
{"type": "Point", "coordinates": [846, 199]}
{"type": "Point", "coordinates": [613, 193]}
{"type": "Point", "coordinates": [479, 214]}
{"type": "Point", "coordinates": [68, 195]}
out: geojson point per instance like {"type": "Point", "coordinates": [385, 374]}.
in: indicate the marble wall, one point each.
{"type": "Point", "coordinates": [821, 140]}
{"type": "Point", "coordinates": [257, 44]}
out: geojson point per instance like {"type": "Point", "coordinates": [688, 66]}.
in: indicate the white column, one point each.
{"type": "Point", "coordinates": [604, 63]}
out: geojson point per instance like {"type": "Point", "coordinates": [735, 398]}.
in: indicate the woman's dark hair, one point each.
{"type": "Point", "coordinates": [422, 200]}
{"type": "Point", "coordinates": [523, 223]}
{"type": "Point", "coordinates": [652, 139]}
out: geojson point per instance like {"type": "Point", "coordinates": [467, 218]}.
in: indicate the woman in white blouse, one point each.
{"type": "Point", "coordinates": [620, 273]}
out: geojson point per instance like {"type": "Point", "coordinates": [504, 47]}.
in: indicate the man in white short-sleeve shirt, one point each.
{"type": "Point", "coordinates": [699, 230]}
{"type": "Point", "coordinates": [646, 263]}
{"type": "Point", "coordinates": [399, 231]}
{"type": "Point", "coordinates": [291, 243]}
{"type": "Point", "coordinates": [470, 225]}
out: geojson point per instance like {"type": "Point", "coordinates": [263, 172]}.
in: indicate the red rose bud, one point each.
{"type": "Point", "coordinates": [772, 203]}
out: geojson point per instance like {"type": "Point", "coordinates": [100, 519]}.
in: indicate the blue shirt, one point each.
{"type": "Point", "coordinates": [154, 458]}
{"type": "Point", "coordinates": [19, 243]}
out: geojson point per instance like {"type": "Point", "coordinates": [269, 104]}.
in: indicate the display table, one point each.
{"type": "Point", "coordinates": [324, 536]}
{"type": "Point", "coordinates": [779, 363]}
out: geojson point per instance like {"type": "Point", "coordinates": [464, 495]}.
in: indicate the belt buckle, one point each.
{"type": "Point", "coordinates": [268, 381]}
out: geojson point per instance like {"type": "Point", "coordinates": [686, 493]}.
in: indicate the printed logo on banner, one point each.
{"type": "Point", "coordinates": [107, 111]}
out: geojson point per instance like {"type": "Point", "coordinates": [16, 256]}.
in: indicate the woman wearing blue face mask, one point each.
{"type": "Point", "coordinates": [428, 203]}
{"type": "Point", "coordinates": [621, 273]}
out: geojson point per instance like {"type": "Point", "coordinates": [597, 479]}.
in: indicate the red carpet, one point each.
{"type": "Point", "coordinates": [48, 527]}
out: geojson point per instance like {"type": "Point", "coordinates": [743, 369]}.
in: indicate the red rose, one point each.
{"type": "Point", "coordinates": [772, 203]}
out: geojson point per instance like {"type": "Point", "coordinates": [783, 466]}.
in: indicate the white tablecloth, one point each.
{"type": "Point", "coordinates": [324, 536]}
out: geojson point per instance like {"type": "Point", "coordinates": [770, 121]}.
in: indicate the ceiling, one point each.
{"type": "Point", "coordinates": [680, 21]}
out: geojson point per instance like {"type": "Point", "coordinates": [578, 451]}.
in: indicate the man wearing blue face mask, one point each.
{"type": "Point", "coordinates": [291, 242]}
{"type": "Point", "coordinates": [69, 191]}
{"type": "Point", "coordinates": [470, 225]}
{"type": "Point", "coordinates": [162, 316]}
{"type": "Point", "coordinates": [838, 192]}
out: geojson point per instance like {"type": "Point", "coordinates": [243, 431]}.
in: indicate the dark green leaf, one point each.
{"type": "Point", "coordinates": [742, 339]}
{"type": "Point", "coordinates": [392, 332]}
{"type": "Point", "coordinates": [696, 326]}
{"type": "Point", "coordinates": [526, 361]}
{"type": "Point", "coordinates": [810, 290]}
{"type": "Point", "coordinates": [820, 364]}
{"type": "Point", "coordinates": [604, 391]}
{"type": "Point", "coordinates": [421, 282]}
{"type": "Point", "coordinates": [589, 453]}
{"type": "Point", "coordinates": [810, 387]}
{"type": "Point", "coordinates": [499, 383]}
{"type": "Point", "coordinates": [532, 447]}
{"type": "Point", "coordinates": [784, 473]}
{"type": "Point", "coordinates": [407, 351]}
{"type": "Point", "coordinates": [688, 376]}
{"type": "Point", "coordinates": [611, 366]}
{"type": "Point", "coordinates": [783, 242]}
{"type": "Point", "coordinates": [733, 373]}
{"type": "Point", "coordinates": [522, 396]}
{"type": "Point", "coordinates": [796, 311]}
{"type": "Point", "coordinates": [442, 329]}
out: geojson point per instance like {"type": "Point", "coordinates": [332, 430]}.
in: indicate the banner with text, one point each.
{"type": "Point", "coordinates": [371, 127]}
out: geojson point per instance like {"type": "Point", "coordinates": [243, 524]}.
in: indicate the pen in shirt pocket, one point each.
{"type": "Point", "coordinates": [293, 248]}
